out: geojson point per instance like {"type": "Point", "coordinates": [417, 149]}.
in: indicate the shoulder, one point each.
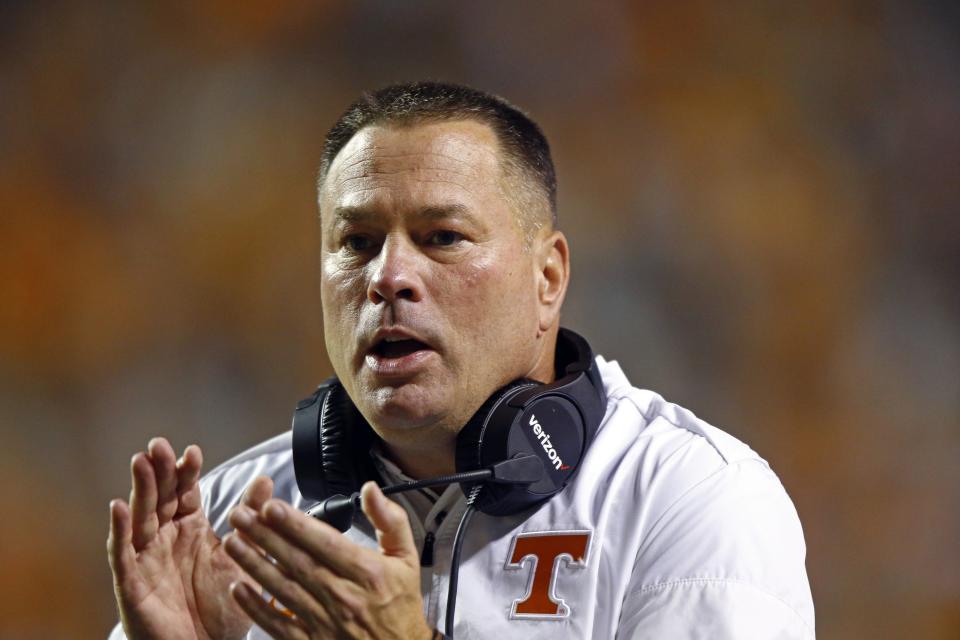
{"type": "Point", "coordinates": [714, 525]}
{"type": "Point", "coordinates": [646, 415]}
{"type": "Point", "coordinates": [664, 448]}
{"type": "Point", "coordinates": [223, 486]}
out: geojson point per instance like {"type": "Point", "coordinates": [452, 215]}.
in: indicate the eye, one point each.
{"type": "Point", "coordinates": [357, 243]}
{"type": "Point", "coordinates": [444, 238]}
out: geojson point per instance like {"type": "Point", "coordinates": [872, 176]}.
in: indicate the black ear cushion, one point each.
{"type": "Point", "coordinates": [331, 444]}
{"type": "Point", "coordinates": [345, 441]}
{"type": "Point", "coordinates": [468, 440]}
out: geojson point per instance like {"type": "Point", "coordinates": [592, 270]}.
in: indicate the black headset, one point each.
{"type": "Point", "coordinates": [554, 422]}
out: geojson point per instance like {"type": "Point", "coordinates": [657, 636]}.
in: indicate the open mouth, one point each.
{"type": "Point", "coordinates": [389, 348]}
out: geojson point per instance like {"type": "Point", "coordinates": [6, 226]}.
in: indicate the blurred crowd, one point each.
{"type": "Point", "coordinates": [762, 201]}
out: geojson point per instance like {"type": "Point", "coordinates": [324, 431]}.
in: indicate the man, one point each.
{"type": "Point", "coordinates": [442, 278]}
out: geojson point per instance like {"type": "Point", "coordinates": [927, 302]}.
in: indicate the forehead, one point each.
{"type": "Point", "coordinates": [446, 159]}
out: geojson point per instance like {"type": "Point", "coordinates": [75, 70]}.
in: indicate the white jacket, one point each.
{"type": "Point", "coordinates": [670, 529]}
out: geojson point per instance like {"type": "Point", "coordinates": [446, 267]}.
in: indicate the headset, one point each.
{"type": "Point", "coordinates": [554, 422]}
{"type": "Point", "coordinates": [518, 450]}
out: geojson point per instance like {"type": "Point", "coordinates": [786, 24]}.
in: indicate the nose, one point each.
{"type": "Point", "coordinates": [395, 273]}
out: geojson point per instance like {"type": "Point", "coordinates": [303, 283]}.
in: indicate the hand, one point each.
{"type": "Point", "coordinates": [171, 575]}
{"type": "Point", "coordinates": [332, 587]}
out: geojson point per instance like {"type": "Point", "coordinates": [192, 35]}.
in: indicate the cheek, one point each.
{"type": "Point", "coordinates": [341, 296]}
{"type": "Point", "coordinates": [489, 296]}
{"type": "Point", "coordinates": [471, 288]}
{"type": "Point", "coordinates": [339, 286]}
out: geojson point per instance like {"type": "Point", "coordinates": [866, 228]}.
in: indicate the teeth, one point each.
{"type": "Point", "coordinates": [394, 339]}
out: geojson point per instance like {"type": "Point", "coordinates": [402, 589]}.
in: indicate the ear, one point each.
{"type": "Point", "coordinates": [553, 273]}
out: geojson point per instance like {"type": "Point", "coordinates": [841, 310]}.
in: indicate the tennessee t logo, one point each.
{"type": "Point", "coordinates": [546, 550]}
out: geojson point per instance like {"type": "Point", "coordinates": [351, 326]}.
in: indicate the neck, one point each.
{"type": "Point", "coordinates": [420, 462]}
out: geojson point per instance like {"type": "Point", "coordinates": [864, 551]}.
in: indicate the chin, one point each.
{"type": "Point", "coordinates": [404, 408]}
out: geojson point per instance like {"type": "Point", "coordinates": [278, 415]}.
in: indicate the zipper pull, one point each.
{"type": "Point", "coordinates": [426, 556]}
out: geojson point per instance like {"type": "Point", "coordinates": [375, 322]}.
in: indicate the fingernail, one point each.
{"type": "Point", "coordinates": [275, 512]}
{"type": "Point", "coordinates": [241, 516]}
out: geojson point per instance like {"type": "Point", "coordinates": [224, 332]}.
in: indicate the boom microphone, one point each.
{"type": "Point", "coordinates": [338, 510]}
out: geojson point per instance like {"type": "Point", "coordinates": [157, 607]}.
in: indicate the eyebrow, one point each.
{"type": "Point", "coordinates": [348, 215]}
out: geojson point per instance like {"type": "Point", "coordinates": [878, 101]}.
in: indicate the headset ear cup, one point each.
{"type": "Point", "coordinates": [331, 444]}
{"type": "Point", "coordinates": [345, 441]}
{"type": "Point", "coordinates": [470, 438]}
{"type": "Point", "coordinates": [483, 441]}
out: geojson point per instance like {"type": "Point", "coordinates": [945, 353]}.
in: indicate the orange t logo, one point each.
{"type": "Point", "coordinates": [546, 549]}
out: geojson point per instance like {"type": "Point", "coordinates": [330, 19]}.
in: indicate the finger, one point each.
{"type": "Point", "coordinates": [265, 615]}
{"type": "Point", "coordinates": [164, 462]}
{"type": "Point", "coordinates": [188, 480]}
{"type": "Point", "coordinates": [258, 492]}
{"type": "Point", "coordinates": [391, 523]}
{"type": "Point", "coordinates": [270, 577]}
{"type": "Point", "coordinates": [323, 543]}
{"type": "Point", "coordinates": [328, 588]}
{"type": "Point", "coordinates": [143, 501]}
{"type": "Point", "coordinates": [120, 553]}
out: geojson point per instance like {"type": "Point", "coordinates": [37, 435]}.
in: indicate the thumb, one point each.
{"type": "Point", "coordinates": [391, 523]}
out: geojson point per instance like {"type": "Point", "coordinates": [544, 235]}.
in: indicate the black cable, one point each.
{"type": "Point", "coordinates": [455, 560]}
{"type": "Point", "coordinates": [410, 485]}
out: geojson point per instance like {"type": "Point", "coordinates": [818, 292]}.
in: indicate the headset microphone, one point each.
{"type": "Point", "coordinates": [338, 510]}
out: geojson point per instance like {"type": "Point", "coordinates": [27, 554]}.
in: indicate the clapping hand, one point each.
{"type": "Point", "coordinates": [171, 574]}
{"type": "Point", "coordinates": [328, 586]}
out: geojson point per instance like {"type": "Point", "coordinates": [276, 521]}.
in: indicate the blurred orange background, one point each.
{"type": "Point", "coordinates": [762, 200]}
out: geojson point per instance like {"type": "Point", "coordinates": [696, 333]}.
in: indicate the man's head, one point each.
{"type": "Point", "coordinates": [527, 173]}
{"type": "Point", "coordinates": [441, 273]}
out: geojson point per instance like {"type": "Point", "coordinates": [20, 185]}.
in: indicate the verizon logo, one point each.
{"type": "Point", "coordinates": [544, 438]}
